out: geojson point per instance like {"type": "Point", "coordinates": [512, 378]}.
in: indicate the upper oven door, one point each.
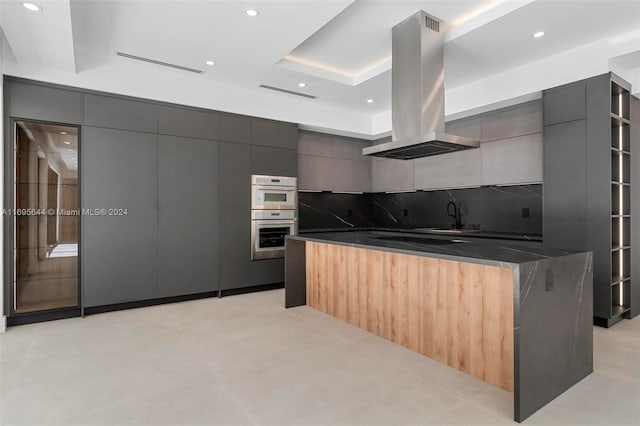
{"type": "Point", "coordinates": [273, 197]}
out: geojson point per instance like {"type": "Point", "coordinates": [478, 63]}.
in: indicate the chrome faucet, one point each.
{"type": "Point", "coordinates": [456, 214]}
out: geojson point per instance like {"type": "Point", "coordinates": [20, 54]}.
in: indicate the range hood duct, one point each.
{"type": "Point", "coordinates": [417, 93]}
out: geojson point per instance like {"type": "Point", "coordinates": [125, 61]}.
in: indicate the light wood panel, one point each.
{"type": "Point", "coordinates": [460, 314]}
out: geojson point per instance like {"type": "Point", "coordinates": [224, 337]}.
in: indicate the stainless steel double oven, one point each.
{"type": "Point", "coordinates": [274, 214]}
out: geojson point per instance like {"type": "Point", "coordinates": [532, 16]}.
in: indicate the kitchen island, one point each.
{"type": "Point", "coordinates": [516, 317]}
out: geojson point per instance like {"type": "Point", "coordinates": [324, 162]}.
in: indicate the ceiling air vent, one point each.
{"type": "Point", "coordinates": [153, 61]}
{"type": "Point", "coordinates": [432, 24]}
{"type": "Point", "coordinates": [290, 92]}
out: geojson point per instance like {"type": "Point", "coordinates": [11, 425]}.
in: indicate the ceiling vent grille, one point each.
{"type": "Point", "coordinates": [432, 24]}
{"type": "Point", "coordinates": [290, 92]}
{"type": "Point", "coordinates": [164, 64]}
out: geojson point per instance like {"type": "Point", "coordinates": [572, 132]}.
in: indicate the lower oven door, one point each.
{"type": "Point", "coordinates": [268, 238]}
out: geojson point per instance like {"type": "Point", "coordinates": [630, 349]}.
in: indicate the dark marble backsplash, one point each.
{"type": "Point", "coordinates": [326, 210]}
{"type": "Point", "coordinates": [491, 208]}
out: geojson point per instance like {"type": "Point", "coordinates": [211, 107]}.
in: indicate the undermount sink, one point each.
{"type": "Point", "coordinates": [420, 240]}
{"type": "Point", "coordinates": [446, 230]}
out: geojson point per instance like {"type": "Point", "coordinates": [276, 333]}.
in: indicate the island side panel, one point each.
{"type": "Point", "coordinates": [460, 314]}
{"type": "Point", "coordinates": [554, 343]}
{"type": "Point", "coordinates": [295, 286]}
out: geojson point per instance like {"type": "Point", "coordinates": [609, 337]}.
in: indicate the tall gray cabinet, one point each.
{"type": "Point", "coordinates": [587, 186]}
{"type": "Point", "coordinates": [119, 252]}
{"type": "Point", "coordinates": [187, 219]}
{"type": "Point", "coordinates": [169, 188]}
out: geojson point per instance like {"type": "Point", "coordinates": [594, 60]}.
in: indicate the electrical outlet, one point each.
{"type": "Point", "coordinates": [406, 212]}
{"type": "Point", "coordinates": [349, 212]}
{"type": "Point", "coordinates": [549, 283]}
{"type": "Point", "coordinates": [525, 212]}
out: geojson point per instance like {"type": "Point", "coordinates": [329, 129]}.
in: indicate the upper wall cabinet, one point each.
{"type": "Point", "coordinates": [518, 120]}
{"type": "Point", "coordinates": [42, 103]}
{"type": "Point", "coordinates": [566, 104]}
{"type": "Point", "coordinates": [235, 129]}
{"type": "Point", "coordinates": [274, 161]}
{"type": "Point", "coordinates": [513, 160]}
{"type": "Point", "coordinates": [277, 135]}
{"type": "Point", "coordinates": [467, 127]}
{"type": "Point", "coordinates": [455, 170]}
{"type": "Point", "coordinates": [392, 175]}
{"type": "Point", "coordinates": [330, 163]}
{"type": "Point", "coordinates": [189, 123]}
{"type": "Point", "coordinates": [114, 113]}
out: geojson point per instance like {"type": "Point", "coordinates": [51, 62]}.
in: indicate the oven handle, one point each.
{"type": "Point", "coordinates": [273, 222]}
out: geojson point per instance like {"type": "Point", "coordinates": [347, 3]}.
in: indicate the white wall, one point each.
{"type": "Point", "coordinates": [3, 318]}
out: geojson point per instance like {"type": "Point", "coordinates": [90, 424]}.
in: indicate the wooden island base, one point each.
{"type": "Point", "coordinates": [460, 314]}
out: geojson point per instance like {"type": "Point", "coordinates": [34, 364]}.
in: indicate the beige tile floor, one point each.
{"type": "Point", "coordinates": [246, 360]}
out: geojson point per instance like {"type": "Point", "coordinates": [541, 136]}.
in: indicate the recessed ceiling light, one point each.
{"type": "Point", "coordinates": [67, 143]}
{"type": "Point", "coordinates": [538, 34]}
{"type": "Point", "coordinates": [31, 6]}
{"type": "Point", "coordinates": [251, 12]}
{"type": "Point", "coordinates": [69, 149]}
{"type": "Point", "coordinates": [63, 133]}
{"type": "Point", "coordinates": [210, 63]}
{"type": "Point", "coordinates": [73, 158]}
{"type": "Point", "coordinates": [369, 101]}
{"type": "Point", "coordinates": [302, 84]}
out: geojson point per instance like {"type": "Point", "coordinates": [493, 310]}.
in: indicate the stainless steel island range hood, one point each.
{"type": "Point", "coordinates": [417, 93]}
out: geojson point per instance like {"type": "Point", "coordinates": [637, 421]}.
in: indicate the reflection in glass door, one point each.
{"type": "Point", "coordinates": [46, 218]}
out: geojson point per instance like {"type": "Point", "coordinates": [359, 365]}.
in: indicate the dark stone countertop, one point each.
{"type": "Point", "coordinates": [487, 253]}
{"type": "Point", "coordinates": [500, 235]}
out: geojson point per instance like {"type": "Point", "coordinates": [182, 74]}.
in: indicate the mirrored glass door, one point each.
{"type": "Point", "coordinates": [46, 219]}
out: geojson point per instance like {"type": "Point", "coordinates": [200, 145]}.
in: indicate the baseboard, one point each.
{"type": "Point", "coordinates": [143, 303]}
{"type": "Point", "coordinates": [252, 289]}
{"type": "Point", "coordinates": [30, 318]}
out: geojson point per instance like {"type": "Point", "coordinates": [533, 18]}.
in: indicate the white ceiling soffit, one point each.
{"type": "Point", "coordinates": [628, 66]}
{"type": "Point", "coordinates": [188, 33]}
{"type": "Point", "coordinates": [507, 42]}
{"type": "Point", "coordinates": [356, 45]}
{"type": "Point", "coordinates": [40, 38]}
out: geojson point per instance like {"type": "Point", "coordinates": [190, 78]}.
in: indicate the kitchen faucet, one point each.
{"type": "Point", "coordinates": [456, 214]}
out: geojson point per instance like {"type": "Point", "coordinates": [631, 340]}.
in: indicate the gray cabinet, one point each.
{"type": "Point", "coordinates": [116, 113]}
{"type": "Point", "coordinates": [567, 103]}
{"type": "Point", "coordinates": [588, 184]}
{"type": "Point", "coordinates": [315, 173]}
{"type": "Point", "coordinates": [278, 135]}
{"type": "Point", "coordinates": [42, 103]}
{"type": "Point", "coordinates": [512, 161]}
{"type": "Point", "coordinates": [351, 175]}
{"type": "Point", "coordinates": [565, 197]}
{"type": "Point", "coordinates": [187, 122]}
{"type": "Point", "coordinates": [235, 216]}
{"type": "Point", "coordinates": [273, 161]}
{"type": "Point", "coordinates": [119, 253]}
{"type": "Point", "coordinates": [511, 122]}
{"type": "Point", "coordinates": [455, 170]}
{"type": "Point", "coordinates": [235, 129]}
{"type": "Point", "coordinates": [269, 271]}
{"type": "Point", "coordinates": [331, 163]}
{"type": "Point", "coordinates": [392, 175]}
{"type": "Point", "coordinates": [187, 214]}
